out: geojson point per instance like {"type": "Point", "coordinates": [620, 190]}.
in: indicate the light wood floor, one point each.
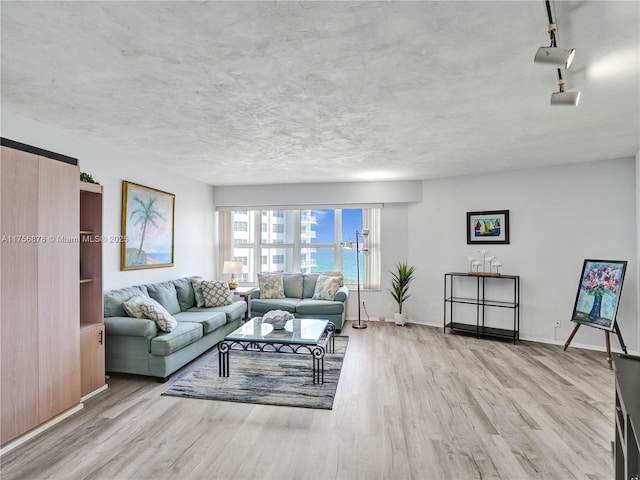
{"type": "Point", "coordinates": [412, 403]}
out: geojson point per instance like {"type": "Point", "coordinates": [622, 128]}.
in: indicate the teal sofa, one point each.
{"type": "Point", "coordinates": [298, 292]}
{"type": "Point", "coordinates": [137, 346]}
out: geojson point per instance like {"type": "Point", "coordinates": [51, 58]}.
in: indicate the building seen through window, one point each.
{"type": "Point", "coordinates": [307, 241]}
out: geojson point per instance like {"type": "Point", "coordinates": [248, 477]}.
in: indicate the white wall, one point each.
{"type": "Point", "coordinates": [109, 165]}
{"type": "Point", "coordinates": [637, 193]}
{"type": "Point", "coordinates": [394, 247]}
{"type": "Point", "coordinates": [559, 217]}
{"type": "Point", "coordinates": [319, 194]}
{"type": "Point", "coordinates": [393, 238]}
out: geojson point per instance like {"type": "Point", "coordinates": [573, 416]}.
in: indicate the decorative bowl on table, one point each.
{"type": "Point", "coordinates": [277, 318]}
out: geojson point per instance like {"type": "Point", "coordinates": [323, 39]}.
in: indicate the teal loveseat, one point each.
{"type": "Point", "coordinates": [136, 345]}
{"type": "Point", "coordinates": [298, 292]}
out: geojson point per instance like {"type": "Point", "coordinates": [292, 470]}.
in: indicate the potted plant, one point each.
{"type": "Point", "coordinates": [402, 278]}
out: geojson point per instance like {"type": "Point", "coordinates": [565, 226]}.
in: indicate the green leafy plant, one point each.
{"type": "Point", "coordinates": [87, 178]}
{"type": "Point", "coordinates": [402, 278]}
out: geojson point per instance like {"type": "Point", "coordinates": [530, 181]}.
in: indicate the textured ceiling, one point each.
{"type": "Point", "coordinates": [236, 93]}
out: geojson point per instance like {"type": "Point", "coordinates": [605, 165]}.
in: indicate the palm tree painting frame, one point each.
{"type": "Point", "coordinates": [147, 227]}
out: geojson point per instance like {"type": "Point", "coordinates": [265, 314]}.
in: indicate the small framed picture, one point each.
{"type": "Point", "coordinates": [490, 227]}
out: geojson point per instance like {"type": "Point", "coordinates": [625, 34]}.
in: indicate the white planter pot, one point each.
{"type": "Point", "coordinates": [400, 318]}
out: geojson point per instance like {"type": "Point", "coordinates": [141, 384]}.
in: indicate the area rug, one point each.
{"type": "Point", "coordinates": [262, 377]}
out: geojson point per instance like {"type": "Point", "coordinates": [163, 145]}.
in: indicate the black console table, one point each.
{"type": "Point", "coordinates": [482, 304]}
{"type": "Point", "coordinates": [627, 442]}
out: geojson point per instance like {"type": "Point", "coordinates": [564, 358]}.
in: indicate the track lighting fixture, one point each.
{"type": "Point", "coordinates": [557, 56]}
{"type": "Point", "coordinates": [565, 98]}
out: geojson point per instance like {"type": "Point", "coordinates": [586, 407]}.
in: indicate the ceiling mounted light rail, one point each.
{"type": "Point", "coordinates": [555, 55]}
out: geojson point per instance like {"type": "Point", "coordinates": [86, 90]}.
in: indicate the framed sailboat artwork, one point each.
{"type": "Point", "coordinates": [489, 227]}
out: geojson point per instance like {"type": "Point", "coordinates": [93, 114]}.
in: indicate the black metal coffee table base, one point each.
{"type": "Point", "coordinates": [317, 352]}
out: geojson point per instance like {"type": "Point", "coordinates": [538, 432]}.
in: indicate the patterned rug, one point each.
{"type": "Point", "coordinates": [262, 377]}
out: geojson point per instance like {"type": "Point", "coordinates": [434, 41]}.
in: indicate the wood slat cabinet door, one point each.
{"type": "Point", "coordinates": [19, 293]}
{"type": "Point", "coordinates": [58, 290]}
{"type": "Point", "coordinates": [92, 353]}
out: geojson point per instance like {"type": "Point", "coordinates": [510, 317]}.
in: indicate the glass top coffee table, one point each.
{"type": "Point", "coordinates": [307, 336]}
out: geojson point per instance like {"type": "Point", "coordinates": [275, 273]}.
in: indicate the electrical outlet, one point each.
{"type": "Point", "coordinates": [557, 324]}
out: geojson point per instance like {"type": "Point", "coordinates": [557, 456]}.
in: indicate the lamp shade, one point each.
{"type": "Point", "coordinates": [232, 267]}
{"type": "Point", "coordinates": [565, 98]}
{"type": "Point", "coordinates": [555, 56]}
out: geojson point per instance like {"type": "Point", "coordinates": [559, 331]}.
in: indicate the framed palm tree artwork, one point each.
{"type": "Point", "coordinates": [147, 227]}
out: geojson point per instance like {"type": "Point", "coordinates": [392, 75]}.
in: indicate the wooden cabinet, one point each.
{"type": "Point", "coordinates": [92, 354]}
{"type": "Point", "coordinates": [39, 298]}
{"type": "Point", "coordinates": [91, 311]}
{"type": "Point", "coordinates": [18, 293]}
{"type": "Point", "coordinates": [627, 437]}
{"type": "Point", "coordinates": [58, 337]}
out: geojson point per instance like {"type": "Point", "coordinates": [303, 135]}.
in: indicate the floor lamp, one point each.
{"type": "Point", "coordinates": [365, 251]}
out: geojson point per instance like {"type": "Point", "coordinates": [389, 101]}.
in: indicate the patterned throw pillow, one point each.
{"type": "Point", "coordinates": [271, 285]}
{"type": "Point", "coordinates": [197, 291]}
{"type": "Point", "coordinates": [140, 306]}
{"type": "Point", "coordinates": [216, 293]}
{"type": "Point", "coordinates": [133, 306]}
{"type": "Point", "coordinates": [327, 286]}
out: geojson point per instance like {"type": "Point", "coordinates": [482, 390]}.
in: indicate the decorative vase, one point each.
{"type": "Point", "coordinates": [400, 318]}
{"type": "Point", "coordinates": [277, 318]}
{"type": "Point", "coordinates": [595, 309]}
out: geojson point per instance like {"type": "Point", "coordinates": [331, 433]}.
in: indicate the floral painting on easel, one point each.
{"type": "Point", "coordinates": [599, 293]}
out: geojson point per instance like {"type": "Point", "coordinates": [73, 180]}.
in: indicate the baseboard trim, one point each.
{"type": "Point", "coordinates": [38, 430]}
{"type": "Point", "coordinates": [94, 393]}
{"type": "Point", "coordinates": [527, 338]}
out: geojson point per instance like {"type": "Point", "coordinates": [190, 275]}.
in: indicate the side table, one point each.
{"type": "Point", "coordinates": [245, 293]}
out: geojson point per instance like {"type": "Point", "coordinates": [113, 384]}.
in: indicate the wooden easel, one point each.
{"type": "Point", "coordinates": [607, 340]}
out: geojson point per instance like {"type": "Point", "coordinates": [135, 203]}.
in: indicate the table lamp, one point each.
{"type": "Point", "coordinates": [230, 267]}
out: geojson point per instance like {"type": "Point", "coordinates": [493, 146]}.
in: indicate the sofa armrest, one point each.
{"type": "Point", "coordinates": [342, 294]}
{"type": "Point", "coordinates": [255, 294]}
{"type": "Point", "coordinates": [128, 326]}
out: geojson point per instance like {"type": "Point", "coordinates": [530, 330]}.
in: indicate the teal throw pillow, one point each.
{"type": "Point", "coordinates": [327, 286]}
{"type": "Point", "coordinates": [271, 285]}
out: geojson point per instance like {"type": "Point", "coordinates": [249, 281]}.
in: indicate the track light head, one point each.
{"type": "Point", "coordinates": [565, 98]}
{"type": "Point", "coordinates": [555, 56]}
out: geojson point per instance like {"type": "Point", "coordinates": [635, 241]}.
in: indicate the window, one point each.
{"type": "Point", "coordinates": [308, 241]}
{"type": "Point", "coordinates": [240, 226]}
